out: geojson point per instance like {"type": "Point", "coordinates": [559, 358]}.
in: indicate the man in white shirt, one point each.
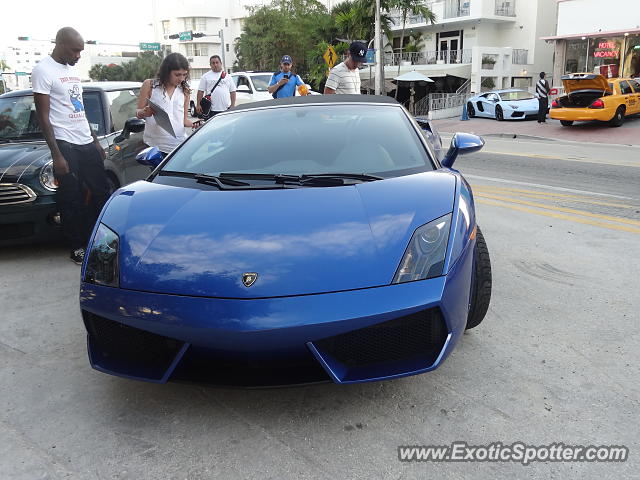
{"type": "Point", "coordinates": [344, 78]}
{"type": "Point", "coordinates": [78, 157]}
{"type": "Point", "coordinates": [218, 87]}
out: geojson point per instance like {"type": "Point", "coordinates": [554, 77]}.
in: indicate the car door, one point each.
{"type": "Point", "coordinates": [244, 92]}
{"type": "Point", "coordinates": [636, 94]}
{"type": "Point", "coordinates": [122, 106]}
{"type": "Point", "coordinates": [629, 97]}
{"type": "Point", "coordinates": [489, 104]}
{"type": "Point", "coordinates": [480, 105]}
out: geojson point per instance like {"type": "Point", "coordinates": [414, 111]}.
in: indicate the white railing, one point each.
{"type": "Point", "coordinates": [520, 56]}
{"type": "Point", "coordinates": [428, 58]}
{"type": "Point", "coordinates": [465, 87]}
{"type": "Point", "coordinates": [506, 8]}
{"type": "Point", "coordinates": [439, 101]}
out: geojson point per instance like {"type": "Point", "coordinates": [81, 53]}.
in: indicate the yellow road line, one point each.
{"type": "Point", "coordinates": [534, 194]}
{"type": "Point", "coordinates": [561, 217]}
{"type": "Point", "coordinates": [562, 209]}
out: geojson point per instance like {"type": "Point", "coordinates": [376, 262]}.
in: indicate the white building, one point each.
{"type": "Point", "coordinates": [592, 37]}
{"type": "Point", "coordinates": [493, 43]}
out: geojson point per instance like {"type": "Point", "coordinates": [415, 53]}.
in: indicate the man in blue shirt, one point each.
{"type": "Point", "coordinates": [283, 83]}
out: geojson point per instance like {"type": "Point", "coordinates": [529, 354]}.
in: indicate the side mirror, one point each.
{"type": "Point", "coordinates": [150, 156]}
{"type": "Point", "coordinates": [132, 125]}
{"type": "Point", "coordinates": [462, 143]}
{"type": "Point", "coordinates": [244, 89]}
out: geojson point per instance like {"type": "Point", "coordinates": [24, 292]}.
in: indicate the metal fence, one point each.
{"type": "Point", "coordinates": [428, 58]}
{"type": "Point", "coordinates": [439, 101]}
{"type": "Point", "coordinates": [457, 8]}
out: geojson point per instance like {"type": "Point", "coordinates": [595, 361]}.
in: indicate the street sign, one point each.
{"type": "Point", "coordinates": [149, 47]}
{"type": "Point", "coordinates": [330, 56]}
{"type": "Point", "coordinates": [21, 74]}
{"type": "Point", "coordinates": [186, 36]}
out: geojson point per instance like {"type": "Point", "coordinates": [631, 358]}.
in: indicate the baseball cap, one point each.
{"type": "Point", "coordinates": [286, 59]}
{"type": "Point", "coordinates": [358, 51]}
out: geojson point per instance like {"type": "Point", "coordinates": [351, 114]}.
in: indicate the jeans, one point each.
{"type": "Point", "coordinates": [82, 192]}
{"type": "Point", "coordinates": [543, 105]}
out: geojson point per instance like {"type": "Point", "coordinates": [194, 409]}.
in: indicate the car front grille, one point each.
{"type": "Point", "coordinates": [11, 193]}
{"type": "Point", "coordinates": [420, 335]}
{"type": "Point", "coordinates": [126, 350]}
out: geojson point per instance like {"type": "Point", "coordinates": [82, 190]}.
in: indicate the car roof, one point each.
{"type": "Point", "coordinates": [87, 87]}
{"type": "Point", "coordinates": [318, 100]}
{"type": "Point", "coordinates": [251, 73]}
{"type": "Point", "coordinates": [506, 90]}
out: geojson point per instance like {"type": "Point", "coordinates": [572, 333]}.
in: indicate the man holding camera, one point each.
{"type": "Point", "coordinates": [283, 83]}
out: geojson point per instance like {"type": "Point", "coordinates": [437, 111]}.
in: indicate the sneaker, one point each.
{"type": "Point", "coordinates": [77, 256]}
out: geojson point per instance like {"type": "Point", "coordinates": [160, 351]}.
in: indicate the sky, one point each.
{"type": "Point", "coordinates": [116, 21]}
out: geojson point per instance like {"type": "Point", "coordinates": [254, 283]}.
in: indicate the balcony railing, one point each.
{"type": "Point", "coordinates": [520, 56]}
{"type": "Point", "coordinates": [506, 8]}
{"type": "Point", "coordinates": [429, 58]}
{"type": "Point", "coordinates": [457, 8]}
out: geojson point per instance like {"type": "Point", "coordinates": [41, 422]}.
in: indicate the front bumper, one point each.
{"type": "Point", "coordinates": [30, 222]}
{"type": "Point", "coordinates": [582, 114]}
{"type": "Point", "coordinates": [521, 114]}
{"type": "Point", "coordinates": [347, 337]}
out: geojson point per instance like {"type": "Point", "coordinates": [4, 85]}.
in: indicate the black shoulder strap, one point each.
{"type": "Point", "coordinates": [214, 87]}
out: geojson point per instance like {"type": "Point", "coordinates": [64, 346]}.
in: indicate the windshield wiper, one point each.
{"type": "Point", "coordinates": [319, 179]}
{"type": "Point", "coordinates": [221, 183]}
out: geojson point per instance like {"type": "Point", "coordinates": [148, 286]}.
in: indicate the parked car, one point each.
{"type": "Point", "coordinates": [512, 104]}
{"type": "Point", "coordinates": [28, 211]}
{"type": "Point", "coordinates": [351, 255]}
{"type": "Point", "coordinates": [590, 96]}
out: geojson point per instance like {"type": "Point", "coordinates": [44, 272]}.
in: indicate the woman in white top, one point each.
{"type": "Point", "coordinates": [170, 91]}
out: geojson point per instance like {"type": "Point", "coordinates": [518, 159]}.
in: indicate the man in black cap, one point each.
{"type": "Point", "coordinates": [345, 77]}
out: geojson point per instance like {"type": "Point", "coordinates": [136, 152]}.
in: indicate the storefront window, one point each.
{"type": "Point", "coordinates": [604, 56]}
{"type": "Point", "coordinates": [632, 57]}
{"type": "Point", "coordinates": [576, 56]}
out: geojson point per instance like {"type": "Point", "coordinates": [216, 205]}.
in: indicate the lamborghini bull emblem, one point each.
{"type": "Point", "coordinates": [249, 278]}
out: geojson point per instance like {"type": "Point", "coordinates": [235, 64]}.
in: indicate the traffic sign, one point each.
{"type": "Point", "coordinates": [371, 55]}
{"type": "Point", "coordinates": [186, 36]}
{"type": "Point", "coordinates": [330, 56]}
{"type": "Point", "coordinates": [150, 47]}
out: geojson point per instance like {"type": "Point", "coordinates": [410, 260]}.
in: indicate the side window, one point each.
{"type": "Point", "coordinates": [625, 88]}
{"type": "Point", "coordinates": [122, 106]}
{"type": "Point", "coordinates": [235, 79]}
{"type": "Point", "coordinates": [93, 111]}
{"type": "Point", "coordinates": [244, 82]}
{"type": "Point", "coordinates": [635, 85]}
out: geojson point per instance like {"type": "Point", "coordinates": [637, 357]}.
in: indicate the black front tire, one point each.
{"type": "Point", "coordinates": [470, 110]}
{"type": "Point", "coordinates": [480, 284]}
{"type": "Point", "coordinates": [192, 109]}
{"type": "Point", "coordinates": [499, 113]}
{"type": "Point", "coordinates": [566, 123]}
{"type": "Point", "coordinates": [112, 183]}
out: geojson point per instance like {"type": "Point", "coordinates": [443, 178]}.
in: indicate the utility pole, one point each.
{"type": "Point", "coordinates": [377, 46]}
{"type": "Point", "coordinates": [221, 35]}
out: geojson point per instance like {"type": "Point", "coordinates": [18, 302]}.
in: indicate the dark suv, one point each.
{"type": "Point", "coordinates": [27, 205]}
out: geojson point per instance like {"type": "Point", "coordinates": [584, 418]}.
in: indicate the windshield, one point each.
{"type": "Point", "coordinates": [519, 95]}
{"type": "Point", "coordinates": [18, 116]}
{"type": "Point", "coordinates": [306, 140]}
{"type": "Point", "coordinates": [261, 82]}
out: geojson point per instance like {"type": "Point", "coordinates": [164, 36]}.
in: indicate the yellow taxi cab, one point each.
{"type": "Point", "coordinates": [590, 96]}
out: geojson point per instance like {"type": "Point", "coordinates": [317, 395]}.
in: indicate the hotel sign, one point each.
{"type": "Point", "coordinates": [607, 50]}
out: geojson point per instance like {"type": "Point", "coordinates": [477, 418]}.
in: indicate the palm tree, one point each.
{"type": "Point", "coordinates": [3, 66]}
{"type": "Point", "coordinates": [411, 7]}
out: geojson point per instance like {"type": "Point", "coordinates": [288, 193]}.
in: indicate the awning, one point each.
{"type": "Point", "coordinates": [610, 33]}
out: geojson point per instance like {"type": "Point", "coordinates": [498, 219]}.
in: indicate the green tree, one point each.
{"type": "Point", "coordinates": [291, 27]}
{"type": "Point", "coordinates": [137, 70]}
{"type": "Point", "coordinates": [411, 7]}
{"type": "Point", "coordinates": [3, 66]}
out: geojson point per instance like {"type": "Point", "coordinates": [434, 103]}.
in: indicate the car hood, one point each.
{"type": "Point", "coordinates": [526, 103]}
{"type": "Point", "coordinates": [22, 160]}
{"type": "Point", "coordinates": [587, 81]}
{"type": "Point", "coordinates": [299, 241]}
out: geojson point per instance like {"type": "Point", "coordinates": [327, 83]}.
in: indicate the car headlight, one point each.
{"type": "Point", "coordinates": [424, 258]}
{"type": "Point", "coordinates": [47, 178]}
{"type": "Point", "coordinates": [102, 263]}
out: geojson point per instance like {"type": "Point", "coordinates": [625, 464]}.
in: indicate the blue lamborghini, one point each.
{"type": "Point", "coordinates": [286, 242]}
{"type": "Point", "coordinates": [512, 104]}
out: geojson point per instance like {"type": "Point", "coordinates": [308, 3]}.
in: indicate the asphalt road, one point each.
{"type": "Point", "coordinates": [556, 360]}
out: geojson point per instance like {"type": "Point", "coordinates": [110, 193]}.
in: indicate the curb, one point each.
{"type": "Point", "coordinates": [548, 139]}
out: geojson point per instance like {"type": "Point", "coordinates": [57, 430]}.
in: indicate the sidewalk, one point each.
{"type": "Point", "coordinates": [627, 134]}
